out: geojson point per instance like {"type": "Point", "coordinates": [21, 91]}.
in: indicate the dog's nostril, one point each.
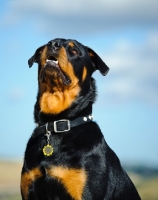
{"type": "Point", "coordinates": [56, 45]}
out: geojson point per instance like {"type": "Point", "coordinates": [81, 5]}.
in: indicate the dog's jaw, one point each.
{"type": "Point", "coordinates": [50, 66]}
{"type": "Point", "coordinates": [59, 86]}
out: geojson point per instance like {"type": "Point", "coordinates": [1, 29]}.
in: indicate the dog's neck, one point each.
{"type": "Point", "coordinates": [81, 106]}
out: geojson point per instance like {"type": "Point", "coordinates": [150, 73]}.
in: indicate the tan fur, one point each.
{"type": "Point", "coordinates": [91, 54]}
{"type": "Point", "coordinates": [27, 179]}
{"type": "Point", "coordinates": [43, 57]}
{"type": "Point", "coordinates": [54, 103]}
{"type": "Point", "coordinates": [73, 180]}
{"type": "Point", "coordinates": [84, 74]}
{"type": "Point", "coordinates": [71, 44]}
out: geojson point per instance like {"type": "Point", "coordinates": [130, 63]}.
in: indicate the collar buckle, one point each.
{"type": "Point", "coordinates": [64, 122]}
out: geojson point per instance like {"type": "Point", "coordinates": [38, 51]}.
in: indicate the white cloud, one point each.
{"type": "Point", "coordinates": [134, 72]}
{"type": "Point", "coordinates": [82, 17]}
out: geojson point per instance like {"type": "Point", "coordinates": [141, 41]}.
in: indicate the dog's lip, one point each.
{"type": "Point", "coordinates": [55, 64]}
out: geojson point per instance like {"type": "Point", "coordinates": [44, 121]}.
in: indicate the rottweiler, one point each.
{"type": "Point", "coordinates": [67, 157]}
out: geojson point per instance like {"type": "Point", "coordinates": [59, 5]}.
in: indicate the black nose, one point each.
{"type": "Point", "coordinates": [54, 44]}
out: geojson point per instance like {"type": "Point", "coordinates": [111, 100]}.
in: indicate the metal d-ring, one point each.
{"type": "Point", "coordinates": [48, 133]}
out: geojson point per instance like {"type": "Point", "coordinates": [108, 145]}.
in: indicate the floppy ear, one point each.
{"type": "Point", "coordinates": [97, 62]}
{"type": "Point", "coordinates": [35, 57]}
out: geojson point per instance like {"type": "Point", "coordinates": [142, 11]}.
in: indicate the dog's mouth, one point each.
{"type": "Point", "coordinates": [53, 64]}
{"type": "Point", "coordinates": [53, 61]}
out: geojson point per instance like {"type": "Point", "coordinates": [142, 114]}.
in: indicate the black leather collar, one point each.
{"type": "Point", "coordinates": [62, 125]}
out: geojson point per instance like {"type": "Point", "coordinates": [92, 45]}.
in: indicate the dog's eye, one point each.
{"type": "Point", "coordinates": [74, 51]}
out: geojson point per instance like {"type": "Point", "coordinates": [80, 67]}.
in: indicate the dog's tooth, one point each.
{"type": "Point", "coordinates": [56, 62]}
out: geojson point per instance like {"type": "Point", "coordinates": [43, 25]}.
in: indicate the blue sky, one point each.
{"type": "Point", "coordinates": [124, 34]}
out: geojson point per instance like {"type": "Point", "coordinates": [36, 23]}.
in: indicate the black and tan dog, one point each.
{"type": "Point", "coordinates": [67, 157]}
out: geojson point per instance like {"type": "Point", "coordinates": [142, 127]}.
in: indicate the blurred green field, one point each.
{"type": "Point", "coordinates": [10, 182]}
{"type": "Point", "coordinates": [148, 189]}
{"type": "Point", "coordinates": [146, 186]}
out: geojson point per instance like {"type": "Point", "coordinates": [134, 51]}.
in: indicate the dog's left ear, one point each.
{"type": "Point", "coordinates": [97, 62]}
{"type": "Point", "coordinates": [35, 57]}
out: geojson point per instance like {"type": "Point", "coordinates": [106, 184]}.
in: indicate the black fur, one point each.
{"type": "Point", "coordinates": [83, 149]}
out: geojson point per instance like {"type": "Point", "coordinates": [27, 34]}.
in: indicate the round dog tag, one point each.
{"type": "Point", "coordinates": [47, 150]}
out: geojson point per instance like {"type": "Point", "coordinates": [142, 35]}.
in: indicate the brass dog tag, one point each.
{"type": "Point", "coordinates": [48, 150]}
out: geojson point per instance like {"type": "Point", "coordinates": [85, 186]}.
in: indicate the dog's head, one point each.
{"type": "Point", "coordinates": [65, 69]}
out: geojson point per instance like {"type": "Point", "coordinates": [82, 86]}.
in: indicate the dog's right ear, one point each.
{"type": "Point", "coordinates": [35, 57]}
{"type": "Point", "coordinates": [97, 62]}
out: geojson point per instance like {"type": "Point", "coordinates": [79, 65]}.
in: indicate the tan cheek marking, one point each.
{"type": "Point", "coordinates": [43, 57]}
{"type": "Point", "coordinates": [27, 179]}
{"type": "Point", "coordinates": [67, 67]}
{"type": "Point", "coordinates": [84, 74]}
{"type": "Point", "coordinates": [73, 180]}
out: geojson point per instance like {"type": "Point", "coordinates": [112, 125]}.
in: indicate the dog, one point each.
{"type": "Point", "coordinates": [67, 157]}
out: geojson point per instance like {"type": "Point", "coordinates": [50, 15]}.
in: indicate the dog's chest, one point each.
{"type": "Point", "coordinates": [65, 181]}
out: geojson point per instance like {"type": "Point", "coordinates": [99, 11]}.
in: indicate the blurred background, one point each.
{"type": "Point", "coordinates": [125, 35]}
